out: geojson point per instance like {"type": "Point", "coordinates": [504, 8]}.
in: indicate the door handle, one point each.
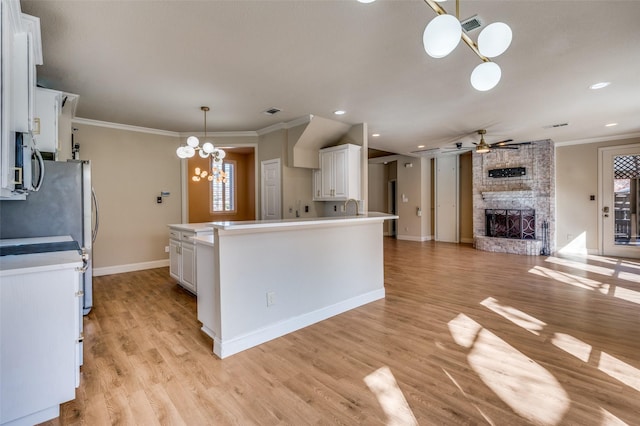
{"type": "Point", "coordinates": [605, 211]}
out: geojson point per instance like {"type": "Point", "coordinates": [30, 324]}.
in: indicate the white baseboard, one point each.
{"type": "Point", "coordinates": [227, 347]}
{"type": "Point", "coordinates": [414, 238]}
{"type": "Point", "coordinates": [131, 267]}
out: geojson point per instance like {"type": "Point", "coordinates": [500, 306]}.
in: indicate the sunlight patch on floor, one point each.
{"type": "Point", "coordinates": [619, 370]}
{"type": "Point", "coordinates": [528, 388]}
{"type": "Point", "coordinates": [390, 397]}
{"type": "Point", "coordinates": [627, 294]}
{"type": "Point", "coordinates": [571, 345]}
{"type": "Point", "coordinates": [571, 279]}
{"type": "Point", "coordinates": [629, 276]}
{"type": "Point", "coordinates": [516, 316]}
{"type": "Point", "coordinates": [609, 419]}
{"type": "Point", "coordinates": [455, 382]}
{"type": "Point", "coordinates": [581, 266]}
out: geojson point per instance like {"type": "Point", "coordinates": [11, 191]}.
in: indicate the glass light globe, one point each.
{"type": "Point", "coordinates": [202, 153]}
{"type": "Point", "coordinates": [193, 141]}
{"type": "Point", "coordinates": [207, 147]}
{"type": "Point", "coordinates": [180, 152]}
{"type": "Point", "coordinates": [197, 170]}
{"type": "Point", "coordinates": [217, 161]}
{"type": "Point", "coordinates": [196, 178]}
{"type": "Point", "coordinates": [221, 154]}
{"type": "Point", "coordinates": [204, 174]}
{"type": "Point", "coordinates": [486, 76]}
{"type": "Point", "coordinates": [189, 151]}
{"type": "Point", "coordinates": [441, 35]}
{"type": "Point", "coordinates": [494, 39]}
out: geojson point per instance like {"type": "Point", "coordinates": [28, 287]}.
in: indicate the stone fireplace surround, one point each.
{"type": "Point", "coordinates": [535, 190]}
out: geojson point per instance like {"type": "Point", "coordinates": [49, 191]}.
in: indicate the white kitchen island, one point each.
{"type": "Point", "coordinates": [258, 280]}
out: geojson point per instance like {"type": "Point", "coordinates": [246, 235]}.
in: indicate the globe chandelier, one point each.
{"type": "Point", "coordinates": [207, 150]}
{"type": "Point", "coordinates": [443, 34]}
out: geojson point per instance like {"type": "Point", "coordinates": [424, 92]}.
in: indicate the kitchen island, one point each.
{"type": "Point", "coordinates": [259, 280]}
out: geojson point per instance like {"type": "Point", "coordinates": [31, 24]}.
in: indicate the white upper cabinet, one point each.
{"type": "Point", "coordinates": [339, 173]}
{"type": "Point", "coordinates": [48, 106]}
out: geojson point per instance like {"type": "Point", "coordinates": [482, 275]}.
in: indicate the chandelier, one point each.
{"type": "Point", "coordinates": [207, 150]}
{"type": "Point", "coordinates": [443, 34]}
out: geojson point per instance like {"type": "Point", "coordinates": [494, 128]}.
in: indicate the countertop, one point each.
{"type": "Point", "coordinates": [301, 222]}
{"type": "Point", "coordinates": [193, 227]}
{"type": "Point", "coordinates": [38, 262]}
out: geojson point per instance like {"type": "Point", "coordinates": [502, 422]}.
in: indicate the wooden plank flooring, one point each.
{"type": "Point", "coordinates": [463, 337]}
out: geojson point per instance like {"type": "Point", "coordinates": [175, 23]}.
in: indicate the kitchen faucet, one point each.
{"type": "Point", "coordinates": [357, 206]}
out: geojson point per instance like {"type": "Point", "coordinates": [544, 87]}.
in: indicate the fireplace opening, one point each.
{"type": "Point", "coordinates": [511, 223]}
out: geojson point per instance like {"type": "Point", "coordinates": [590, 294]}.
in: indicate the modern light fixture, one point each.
{"type": "Point", "coordinates": [376, 135]}
{"type": "Point", "coordinates": [340, 112]}
{"type": "Point", "coordinates": [483, 147]}
{"type": "Point", "coordinates": [205, 151]}
{"type": "Point", "coordinates": [444, 32]}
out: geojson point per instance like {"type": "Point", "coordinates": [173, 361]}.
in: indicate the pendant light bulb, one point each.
{"type": "Point", "coordinates": [441, 35]}
{"type": "Point", "coordinates": [193, 141]}
{"type": "Point", "coordinates": [486, 76]}
{"type": "Point", "coordinates": [494, 39]}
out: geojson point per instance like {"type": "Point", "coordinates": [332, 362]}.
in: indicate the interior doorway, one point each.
{"type": "Point", "coordinates": [239, 190]}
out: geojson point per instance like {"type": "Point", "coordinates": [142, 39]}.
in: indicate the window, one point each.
{"type": "Point", "coordinates": [223, 194]}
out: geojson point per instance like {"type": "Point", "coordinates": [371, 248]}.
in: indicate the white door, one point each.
{"type": "Point", "coordinates": [446, 199]}
{"type": "Point", "coordinates": [271, 199]}
{"type": "Point", "coordinates": [620, 201]}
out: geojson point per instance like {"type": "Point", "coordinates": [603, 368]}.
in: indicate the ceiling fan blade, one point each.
{"type": "Point", "coordinates": [504, 147]}
{"type": "Point", "coordinates": [501, 143]}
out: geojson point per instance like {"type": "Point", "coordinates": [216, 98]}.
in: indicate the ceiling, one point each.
{"type": "Point", "coordinates": [154, 63]}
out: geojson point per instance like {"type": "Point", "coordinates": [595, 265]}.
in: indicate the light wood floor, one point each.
{"type": "Point", "coordinates": [463, 337]}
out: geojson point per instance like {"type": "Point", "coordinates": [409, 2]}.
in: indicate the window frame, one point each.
{"type": "Point", "coordinates": [233, 191]}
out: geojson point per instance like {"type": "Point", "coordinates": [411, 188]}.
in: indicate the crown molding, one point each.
{"type": "Point", "coordinates": [599, 139]}
{"type": "Point", "coordinates": [249, 133]}
{"type": "Point", "coordinates": [127, 127]}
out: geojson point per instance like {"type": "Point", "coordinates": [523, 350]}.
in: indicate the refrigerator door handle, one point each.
{"type": "Point", "coordinates": [96, 225]}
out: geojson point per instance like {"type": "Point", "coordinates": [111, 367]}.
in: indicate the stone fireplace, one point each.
{"type": "Point", "coordinates": [514, 199]}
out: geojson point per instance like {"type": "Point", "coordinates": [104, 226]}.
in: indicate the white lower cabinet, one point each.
{"type": "Point", "coordinates": [182, 255]}
{"type": "Point", "coordinates": [40, 340]}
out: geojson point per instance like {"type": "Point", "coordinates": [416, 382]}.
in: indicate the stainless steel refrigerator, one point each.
{"type": "Point", "coordinates": [64, 205]}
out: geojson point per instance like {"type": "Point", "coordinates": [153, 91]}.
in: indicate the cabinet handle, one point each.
{"type": "Point", "coordinates": [81, 338]}
{"type": "Point", "coordinates": [79, 293]}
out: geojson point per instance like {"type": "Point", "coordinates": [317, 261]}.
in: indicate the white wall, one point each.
{"type": "Point", "coordinates": [129, 170]}
{"type": "Point", "coordinates": [576, 180]}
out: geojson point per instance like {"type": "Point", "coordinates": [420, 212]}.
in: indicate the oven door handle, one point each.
{"type": "Point", "coordinates": [38, 156]}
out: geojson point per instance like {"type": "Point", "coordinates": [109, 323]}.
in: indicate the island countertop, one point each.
{"type": "Point", "coordinates": [301, 222]}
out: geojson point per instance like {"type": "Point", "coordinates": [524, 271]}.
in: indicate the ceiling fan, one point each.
{"type": "Point", "coordinates": [483, 147]}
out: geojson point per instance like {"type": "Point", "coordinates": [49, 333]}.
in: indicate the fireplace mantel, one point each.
{"type": "Point", "coordinates": [507, 195]}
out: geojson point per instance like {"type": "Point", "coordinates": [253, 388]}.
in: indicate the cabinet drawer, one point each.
{"type": "Point", "coordinates": [174, 235]}
{"type": "Point", "coordinates": [187, 236]}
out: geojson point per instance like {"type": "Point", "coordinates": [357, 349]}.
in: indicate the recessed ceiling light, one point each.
{"type": "Point", "coordinates": [366, 1]}
{"type": "Point", "coordinates": [610, 124]}
{"type": "Point", "coordinates": [339, 112]}
{"type": "Point", "coordinates": [600, 85]}
{"type": "Point", "coordinates": [420, 146]}
{"type": "Point", "coordinates": [375, 135]}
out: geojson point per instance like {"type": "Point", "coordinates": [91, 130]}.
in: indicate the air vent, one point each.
{"type": "Point", "coordinates": [471, 24]}
{"type": "Point", "coordinates": [271, 111]}
{"type": "Point", "coordinates": [553, 126]}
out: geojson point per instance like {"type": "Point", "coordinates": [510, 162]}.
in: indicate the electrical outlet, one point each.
{"type": "Point", "coordinates": [166, 249]}
{"type": "Point", "coordinates": [335, 208]}
{"type": "Point", "coordinates": [271, 298]}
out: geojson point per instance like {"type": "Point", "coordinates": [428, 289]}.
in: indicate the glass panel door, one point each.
{"type": "Point", "coordinates": [620, 174]}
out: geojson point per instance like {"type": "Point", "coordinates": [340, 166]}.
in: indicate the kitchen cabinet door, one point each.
{"type": "Point", "coordinates": [340, 173]}
{"type": "Point", "coordinates": [175, 260]}
{"type": "Point", "coordinates": [189, 267]}
{"type": "Point", "coordinates": [48, 105]}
